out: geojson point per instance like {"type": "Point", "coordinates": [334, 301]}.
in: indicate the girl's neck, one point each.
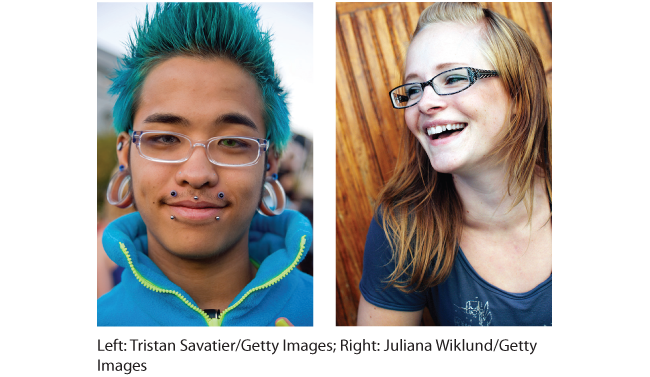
{"type": "Point", "coordinates": [488, 206]}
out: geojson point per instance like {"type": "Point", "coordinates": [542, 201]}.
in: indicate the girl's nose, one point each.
{"type": "Point", "coordinates": [431, 100]}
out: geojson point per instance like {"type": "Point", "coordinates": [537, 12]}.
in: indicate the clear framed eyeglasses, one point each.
{"type": "Point", "coordinates": [172, 147]}
{"type": "Point", "coordinates": [445, 83]}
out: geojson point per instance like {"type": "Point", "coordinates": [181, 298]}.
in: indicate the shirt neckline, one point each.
{"type": "Point", "coordinates": [467, 266]}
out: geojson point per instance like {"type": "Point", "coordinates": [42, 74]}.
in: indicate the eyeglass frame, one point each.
{"type": "Point", "coordinates": [136, 135]}
{"type": "Point", "coordinates": [475, 75]}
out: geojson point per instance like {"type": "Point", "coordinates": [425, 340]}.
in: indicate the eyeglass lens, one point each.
{"type": "Point", "coordinates": [449, 82]}
{"type": "Point", "coordinates": [229, 151]}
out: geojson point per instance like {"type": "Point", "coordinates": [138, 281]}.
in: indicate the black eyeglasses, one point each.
{"type": "Point", "coordinates": [445, 83]}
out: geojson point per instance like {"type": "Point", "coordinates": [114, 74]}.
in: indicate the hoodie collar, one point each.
{"type": "Point", "coordinates": [276, 243]}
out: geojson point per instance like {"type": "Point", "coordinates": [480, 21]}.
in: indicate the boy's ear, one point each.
{"type": "Point", "coordinates": [274, 162]}
{"type": "Point", "coordinates": [123, 148]}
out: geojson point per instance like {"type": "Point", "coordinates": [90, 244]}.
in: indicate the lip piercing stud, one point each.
{"type": "Point", "coordinates": [173, 193]}
{"type": "Point", "coordinates": [221, 195]}
{"type": "Point", "coordinates": [172, 217]}
{"type": "Point", "coordinates": [196, 198]}
{"type": "Point", "coordinates": [218, 218]}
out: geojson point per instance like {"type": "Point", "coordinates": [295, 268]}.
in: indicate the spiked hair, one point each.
{"type": "Point", "coordinates": [223, 30]}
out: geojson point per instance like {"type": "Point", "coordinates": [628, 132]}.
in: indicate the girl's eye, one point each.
{"type": "Point", "coordinates": [455, 79]}
{"type": "Point", "coordinates": [413, 91]}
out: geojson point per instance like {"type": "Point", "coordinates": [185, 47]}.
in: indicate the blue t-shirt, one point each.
{"type": "Point", "coordinates": [463, 299]}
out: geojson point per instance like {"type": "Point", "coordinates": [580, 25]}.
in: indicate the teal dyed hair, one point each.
{"type": "Point", "coordinates": [224, 30]}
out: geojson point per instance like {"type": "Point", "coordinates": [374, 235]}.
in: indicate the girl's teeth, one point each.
{"type": "Point", "coordinates": [448, 127]}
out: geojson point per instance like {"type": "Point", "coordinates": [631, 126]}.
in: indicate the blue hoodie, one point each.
{"type": "Point", "coordinates": [146, 297]}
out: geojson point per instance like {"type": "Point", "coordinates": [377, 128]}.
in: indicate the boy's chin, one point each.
{"type": "Point", "coordinates": [197, 252]}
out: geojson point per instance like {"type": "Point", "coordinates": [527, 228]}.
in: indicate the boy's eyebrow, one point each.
{"type": "Point", "coordinates": [167, 119]}
{"type": "Point", "coordinates": [235, 118]}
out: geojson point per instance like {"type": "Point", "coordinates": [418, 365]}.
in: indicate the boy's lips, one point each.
{"type": "Point", "coordinates": [196, 210]}
{"type": "Point", "coordinates": [196, 205]}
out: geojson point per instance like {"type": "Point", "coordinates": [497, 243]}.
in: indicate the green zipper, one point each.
{"type": "Point", "coordinates": [213, 321]}
{"type": "Point", "coordinates": [270, 282]}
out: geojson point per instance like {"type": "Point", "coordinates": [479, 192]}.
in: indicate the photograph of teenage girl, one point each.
{"type": "Point", "coordinates": [462, 227]}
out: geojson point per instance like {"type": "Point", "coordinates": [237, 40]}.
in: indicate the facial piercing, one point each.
{"type": "Point", "coordinates": [173, 217]}
{"type": "Point", "coordinates": [173, 193]}
{"type": "Point", "coordinates": [221, 195]}
{"type": "Point", "coordinates": [218, 218]}
{"type": "Point", "coordinates": [196, 198]}
{"type": "Point", "coordinates": [120, 191]}
{"type": "Point", "coordinates": [268, 166]}
{"type": "Point", "coordinates": [119, 146]}
{"type": "Point", "coordinates": [274, 198]}
{"type": "Point", "coordinates": [274, 176]}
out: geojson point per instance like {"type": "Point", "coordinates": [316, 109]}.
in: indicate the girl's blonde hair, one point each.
{"type": "Point", "coordinates": [420, 208]}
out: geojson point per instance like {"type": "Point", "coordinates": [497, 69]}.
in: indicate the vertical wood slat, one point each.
{"type": "Point", "coordinates": [363, 42]}
{"type": "Point", "coordinates": [549, 14]}
{"type": "Point", "coordinates": [372, 39]}
{"type": "Point", "coordinates": [355, 176]}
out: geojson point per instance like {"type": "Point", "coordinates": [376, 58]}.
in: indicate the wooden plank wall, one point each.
{"type": "Point", "coordinates": [371, 42]}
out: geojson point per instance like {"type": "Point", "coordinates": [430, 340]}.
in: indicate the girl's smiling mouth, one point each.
{"type": "Point", "coordinates": [444, 131]}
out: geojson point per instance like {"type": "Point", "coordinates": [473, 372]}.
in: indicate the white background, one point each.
{"type": "Point", "coordinates": [600, 145]}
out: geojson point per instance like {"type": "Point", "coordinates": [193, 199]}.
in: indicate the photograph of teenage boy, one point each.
{"type": "Point", "coordinates": [202, 121]}
{"type": "Point", "coordinates": [461, 224]}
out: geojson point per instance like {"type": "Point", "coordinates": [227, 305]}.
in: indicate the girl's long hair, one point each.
{"type": "Point", "coordinates": [420, 208]}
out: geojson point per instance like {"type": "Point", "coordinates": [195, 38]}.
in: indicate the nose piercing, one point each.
{"type": "Point", "coordinates": [221, 195]}
{"type": "Point", "coordinates": [218, 218]}
{"type": "Point", "coordinates": [173, 193]}
{"type": "Point", "coordinates": [172, 217]}
{"type": "Point", "coordinates": [196, 198]}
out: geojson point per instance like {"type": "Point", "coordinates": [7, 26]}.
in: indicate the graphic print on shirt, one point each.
{"type": "Point", "coordinates": [474, 313]}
